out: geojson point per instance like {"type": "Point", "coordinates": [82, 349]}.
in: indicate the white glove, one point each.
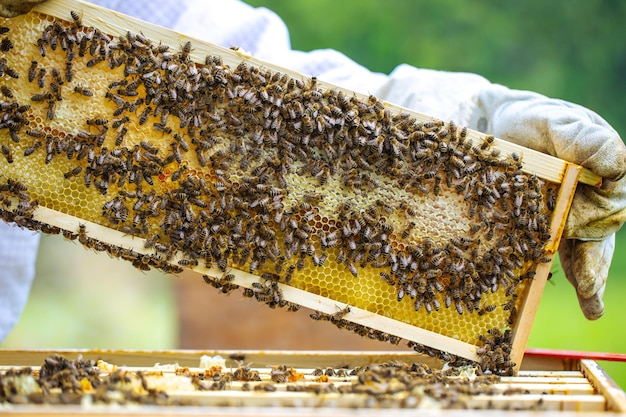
{"type": "Point", "coordinates": [556, 127]}
{"type": "Point", "coordinates": [18, 251]}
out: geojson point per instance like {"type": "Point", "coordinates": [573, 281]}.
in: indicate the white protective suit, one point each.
{"type": "Point", "coordinates": [552, 126]}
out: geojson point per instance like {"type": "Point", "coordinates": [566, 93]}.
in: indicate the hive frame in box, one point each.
{"type": "Point", "coordinates": [548, 385]}
{"type": "Point", "coordinates": [544, 166]}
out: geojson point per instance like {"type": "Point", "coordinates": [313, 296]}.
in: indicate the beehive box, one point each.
{"type": "Point", "coordinates": [173, 153]}
{"type": "Point", "coordinates": [286, 383]}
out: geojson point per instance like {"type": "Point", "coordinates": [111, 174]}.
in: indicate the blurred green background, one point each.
{"type": "Point", "coordinates": [570, 49]}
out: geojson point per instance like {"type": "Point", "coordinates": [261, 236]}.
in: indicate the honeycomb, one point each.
{"type": "Point", "coordinates": [243, 168]}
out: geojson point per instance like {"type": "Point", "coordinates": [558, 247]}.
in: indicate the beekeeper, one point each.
{"type": "Point", "coordinates": [565, 130]}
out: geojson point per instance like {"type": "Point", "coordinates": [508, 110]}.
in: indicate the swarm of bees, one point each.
{"type": "Point", "coordinates": [251, 169]}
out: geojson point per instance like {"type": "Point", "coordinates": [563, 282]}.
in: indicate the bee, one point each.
{"type": "Point", "coordinates": [73, 172]}
{"type": "Point", "coordinates": [95, 61]}
{"type": "Point", "coordinates": [116, 99]}
{"type": "Point", "coordinates": [487, 142]}
{"type": "Point", "coordinates": [31, 149]}
{"type": "Point", "coordinates": [76, 18]}
{"type": "Point", "coordinates": [120, 83]}
{"type": "Point", "coordinates": [188, 262]}
{"type": "Point", "coordinates": [352, 269]}
{"type": "Point", "coordinates": [83, 91]}
{"type": "Point", "coordinates": [143, 118]}
{"type": "Point", "coordinates": [50, 114]}
{"type": "Point", "coordinates": [56, 90]}
{"type": "Point", "coordinates": [8, 153]}
{"type": "Point", "coordinates": [97, 122]}
{"type": "Point", "coordinates": [119, 122]}
{"type": "Point", "coordinates": [82, 234]}
{"type": "Point", "coordinates": [41, 97]}
{"type": "Point", "coordinates": [268, 276]}
{"type": "Point", "coordinates": [182, 142]}
{"type": "Point", "coordinates": [6, 44]}
{"type": "Point", "coordinates": [186, 50]}
{"type": "Point", "coordinates": [6, 91]}
{"type": "Point", "coordinates": [486, 309]}
{"type": "Point", "coordinates": [57, 76]}
{"type": "Point", "coordinates": [162, 128]}
{"type": "Point", "coordinates": [82, 46]}
{"type": "Point", "coordinates": [459, 306]}
{"type": "Point", "coordinates": [319, 316]}
{"type": "Point", "coordinates": [339, 315]}
{"type": "Point", "coordinates": [69, 74]}
{"type": "Point", "coordinates": [551, 198]}
{"type": "Point", "coordinates": [41, 77]}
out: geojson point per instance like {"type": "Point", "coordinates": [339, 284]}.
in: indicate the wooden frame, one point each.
{"type": "Point", "coordinates": [536, 163]}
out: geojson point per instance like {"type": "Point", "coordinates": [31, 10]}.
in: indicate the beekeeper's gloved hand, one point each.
{"type": "Point", "coordinates": [555, 127]}
{"type": "Point", "coordinates": [578, 135]}
{"type": "Point", "coordinates": [12, 8]}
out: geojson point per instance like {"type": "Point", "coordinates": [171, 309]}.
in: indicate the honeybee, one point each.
{"type": "Point", "coordinates": [83, 91]}
{"type": "Point", "coordinates": [97, 122]}
{"type": "Point", "coordinates": [188, 262]}
{"type": "Point", "coordinates": [319, 316]}
{"type": "Point", "coordinates": [31, 149]}
{"type": "Point", "coordinates": [486, 309]}
{"type": "Point", "coordinates": [6, 44]}
{"type": "Point", "coordinates": [73, 172]}
{"type": "Point", "coordinates": [352, 268]}
{"type": "Point", "coordinates": [6, 91]}
{"type": "Point", "coordinates": [95, 61]}
{"type": "Point", "coordinates": [143, 118]}
{"type": "Point", "coordinates": [76, 18]}
{"type": "Point", "coordinates": [268, 276]}
{"type": "Point", "coordinates": [551, 198]}
{"type": "Point", "coordinates": [186, 50]}
{"type": "Point", "coordinates": [82, 234]}
{"type": "Point", "coordinates": [487, 142]}
{"type": "Point", "coordinates": [8, 153]}
{"type": "Point", "coordinates": [50, 113]}
{"type": "Point", "coordinates": [182, 142]}
{"type": "Point", "coordinates": [41, 97]}
{"type": "Point", "coordinates": [339, 315]}
{"type": "Point", "coordinates": [57, 76]}
{"type": "Point", "coordinates": [459, 306]}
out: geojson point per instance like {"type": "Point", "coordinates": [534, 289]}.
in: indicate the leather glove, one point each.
{"type": "Point", "coordinates": [555, 127]}
{"type": "Point", "coordinates": [12, 8]}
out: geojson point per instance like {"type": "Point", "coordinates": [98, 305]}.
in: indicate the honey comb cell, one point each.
{"type": "Point", "coordinates": [268, 180]}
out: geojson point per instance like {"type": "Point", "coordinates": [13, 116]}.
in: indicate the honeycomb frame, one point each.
{"type": "Point", "coordinates": [95, 172]}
